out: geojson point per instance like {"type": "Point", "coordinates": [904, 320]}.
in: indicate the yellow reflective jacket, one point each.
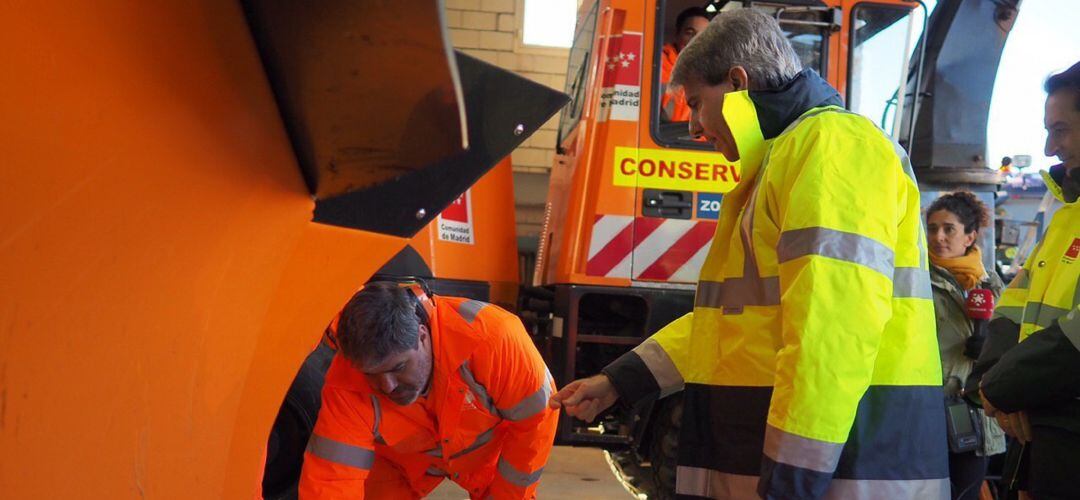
{"type": "Point", "coordinates": [1041, 310]}
{"type": "Point", "coordinates": [1045, 289]}
{"type": "Point", "coordinates": [810, 362]}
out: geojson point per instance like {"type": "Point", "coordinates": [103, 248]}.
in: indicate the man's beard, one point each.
{"type": "Point", "coordinates": [405, 396]}
{"type": "Point", "coordinates": [1070, 184]}
{"type": "Point", "coordinates": [411, 391]}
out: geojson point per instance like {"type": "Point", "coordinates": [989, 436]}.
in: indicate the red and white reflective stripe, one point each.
{"type": "Point", "coordinates": [680, 256]}
{"type": "Point", "coordinates": [648, 248]}
{"type": "Point", "coordinates": [689, 272]}
{"type": "Point", "coordinates": [610, 246]}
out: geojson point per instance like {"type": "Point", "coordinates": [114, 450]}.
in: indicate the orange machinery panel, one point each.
{"type": "Point", "coordinates": [489, 250]}
{"type": "Point", "coordinates": [160, 281]}
{"type": "Point", "coordinates": [578, 192]}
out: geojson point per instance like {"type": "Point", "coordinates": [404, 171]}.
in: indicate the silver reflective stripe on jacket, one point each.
{"type": "Point", "coordinates": [477, 389]}
{"type": "Point", "coordinates": [516, 477]}
{"type": "Point", "coordinates": [806, 453]}
{"type": "Point", "coordinates": [839, 245]}
{"type": "Point", "coordinates": [908, 282]}
{"type": "Point", "coordinates": [527, 407]}
{"type": "Point", "coordinates": [341, 453]}
{"type": "Point", "coordinates": [378, 418]}
{"type": "Point", "coordinates": [709, 483]}
{"type": "Point", "coordinates": [1070, 326]}
{"type": "Point", "coordinates": [1012, 313]}
{"type": "Point", "coordinates": [481, 440]}
{"type": "Point", "coordinates": [470, 308]}
{"type": "Point", "coordinates": [532, 404]}
{"type": "Point", "coordinates": [661, 367]}
{"type": "Point", "coordinates": [912, 283]}
{"type": "Point", "coordinates": [739, 292]}
{"type": "Point", "coordinates": [1041, 314]}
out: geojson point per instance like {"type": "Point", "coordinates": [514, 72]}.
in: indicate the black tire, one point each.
{"type": "Point", "coordinates": [664, 449]}
{"type": "Point", "coordinates": [293, 426]}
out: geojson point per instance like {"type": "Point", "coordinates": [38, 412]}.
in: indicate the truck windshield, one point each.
{"type": "Point", "coordinates": [879, 40]}
{"type": "Point", "coordinates": [808, 31]}
{"type": "Point", "coordinates": [577, 72]}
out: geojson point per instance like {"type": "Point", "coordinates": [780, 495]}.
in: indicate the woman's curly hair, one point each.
{"type": "Point", "coordinates": [967, 207]}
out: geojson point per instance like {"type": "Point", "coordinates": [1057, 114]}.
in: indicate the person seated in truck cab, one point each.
{"type": "Point", "coordinates": [688, 24]}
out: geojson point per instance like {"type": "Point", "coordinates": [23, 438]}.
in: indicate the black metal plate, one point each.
{"type": "Point", "coordinates": [367, 90]}
{"type": "Point", "coordinates": [502, 110]}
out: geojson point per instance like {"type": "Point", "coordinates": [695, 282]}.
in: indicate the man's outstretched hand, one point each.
{"type": "Point", "coordinates": [586, 398]}
{"type": "Point", "coordinates": [1014, 424]}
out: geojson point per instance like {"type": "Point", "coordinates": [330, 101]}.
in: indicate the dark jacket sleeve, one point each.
{"type": "Point", "coordinates": [1042, 370]}
{"type": "Point", "coordinates": [1003, 335]}
{"type": "Point", "coordinates": [653, 367]}
{"type": "Point", "coordinates": [631, 379]}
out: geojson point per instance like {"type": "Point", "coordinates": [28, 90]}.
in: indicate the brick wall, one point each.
{"type": "Point", "coordinates": [489, 30]}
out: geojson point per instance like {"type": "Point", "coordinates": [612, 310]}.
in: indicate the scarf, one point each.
{"type": "Point", "coordinates": [968, 269]}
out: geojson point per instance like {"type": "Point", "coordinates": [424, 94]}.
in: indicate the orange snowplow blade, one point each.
{"type": "Point", "coordinates": [160, 279]}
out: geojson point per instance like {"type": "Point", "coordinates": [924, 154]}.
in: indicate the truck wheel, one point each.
{"type": "Point", "coordinates": [293, 426]}
{"type": "Point", "coordinates": [664, 449]}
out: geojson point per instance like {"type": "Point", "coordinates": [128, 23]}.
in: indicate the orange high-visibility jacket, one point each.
{"type": "Point", "coordinates": [485, 423]}
{"type": "Point", "coordinates": [672, 105]}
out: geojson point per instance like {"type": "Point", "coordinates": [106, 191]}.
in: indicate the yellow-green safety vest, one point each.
{"type": "Point", "coordinates": [810, 361]}
{"type": "Point", "coordinates": [1046, 288]}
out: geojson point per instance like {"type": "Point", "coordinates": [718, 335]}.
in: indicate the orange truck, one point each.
{"type": "Point", "coordinates": [633, 198]}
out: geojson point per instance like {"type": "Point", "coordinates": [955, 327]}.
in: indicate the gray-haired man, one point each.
{"type": "Point", "coordinates": [810, 362]}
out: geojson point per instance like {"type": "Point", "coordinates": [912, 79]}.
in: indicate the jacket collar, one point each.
{"type": "Point", "coordinates": [942, 278]}
{"type": "Point", "coordinates": [758, 116]}
{"type": "Point", "coordinates": [1055, 179]}
{"type": "Point", "coordinates": [778, 108]}
{"type": "Point", "coordinates": [452, 346]}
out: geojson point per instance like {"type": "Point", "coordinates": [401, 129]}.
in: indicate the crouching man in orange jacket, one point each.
{"type": "Point", "coordinates": [423, 389]}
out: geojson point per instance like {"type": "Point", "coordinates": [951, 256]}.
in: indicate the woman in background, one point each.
{"type": "Point", "coordinates": [953, 222]}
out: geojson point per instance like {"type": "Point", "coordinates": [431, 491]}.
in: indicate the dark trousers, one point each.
{"type": "Point", "coordinates": [1053, 470]}
{"type": "Point", "coordinates": [966, 474]}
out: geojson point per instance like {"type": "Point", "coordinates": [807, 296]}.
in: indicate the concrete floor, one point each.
{"type": "Point", "coordinates": [578, 473]}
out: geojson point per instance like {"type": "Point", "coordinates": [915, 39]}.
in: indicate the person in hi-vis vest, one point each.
{"type": "Point", "coordinates": [809, 365]}
{"type": "Point", "coordinates": [1029, 369]}
{"type": "Point", "coordinates": [425, 388]}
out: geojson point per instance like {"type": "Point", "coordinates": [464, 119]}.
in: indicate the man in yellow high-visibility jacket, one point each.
{"type": "Point", "coordinates": [810, 361]}
{"type": "Point", "coordinates": [1033, 349]}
